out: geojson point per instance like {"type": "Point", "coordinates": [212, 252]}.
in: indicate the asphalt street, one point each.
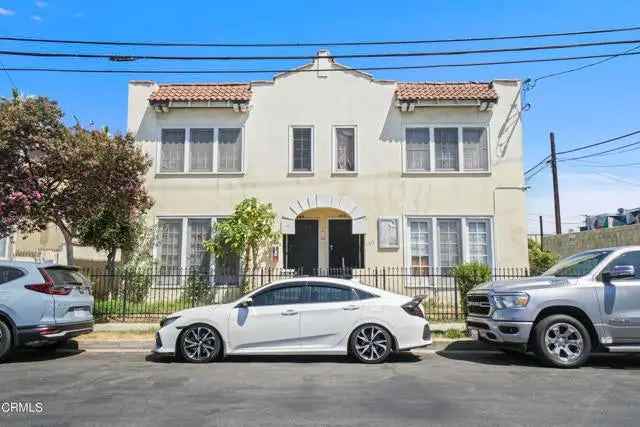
{"type": "Point", "coordinates": [457, 386]}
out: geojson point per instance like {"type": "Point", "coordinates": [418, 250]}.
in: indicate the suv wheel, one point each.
{"type": "Point", "coordinates": [562, 341]}
{"type": "Point", "coordinates": [5, 340]}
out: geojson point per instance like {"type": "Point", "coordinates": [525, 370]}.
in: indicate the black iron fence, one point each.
{"type": "Point", "coordinates": [150, 295]}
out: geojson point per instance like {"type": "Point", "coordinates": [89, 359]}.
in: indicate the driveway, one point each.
{"type": "Point", "coordinates": [457, 386]}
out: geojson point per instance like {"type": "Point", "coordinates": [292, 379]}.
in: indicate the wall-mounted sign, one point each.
{"type": "Point", "coordinates": [388, 233]}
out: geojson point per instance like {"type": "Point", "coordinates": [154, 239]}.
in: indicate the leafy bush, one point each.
{"type": "Point", "coordinates": [198, 290]}
{"type": "Point", "coordinates": [539, 259]}
{"type": "Point", "coordinates": [468, 276]}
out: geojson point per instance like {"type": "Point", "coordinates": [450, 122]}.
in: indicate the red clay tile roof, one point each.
{"type": "Point", "coordinates": [446, 91]}
{"type": "Point", "coordinates": [202, 92]}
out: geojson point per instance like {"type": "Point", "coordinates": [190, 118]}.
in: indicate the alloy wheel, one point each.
{"type": "Point", "coordinates": [564, 342]}
{"type": "Point", "coordinates": [200, 344]}
{"type": "Point", "coordinates": [371, 343]}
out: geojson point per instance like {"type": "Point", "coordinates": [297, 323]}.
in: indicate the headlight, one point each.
{"type": "Point", "coordinates": [168, 320]}
{"type": "Point", "coordinates": [510, 301]}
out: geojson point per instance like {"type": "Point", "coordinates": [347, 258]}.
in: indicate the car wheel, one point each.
{"type": "Point", "coordinates": [200, 344]}
{"type": "Point", "coordinates": [562, 341]}
{"type": "Point", "coordinates": [371, 344]}
{"type": "Point", "coordinates": [5, 340]}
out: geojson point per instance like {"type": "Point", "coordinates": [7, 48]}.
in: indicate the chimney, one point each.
{"type": "Point", "coordinates": [323, 62]}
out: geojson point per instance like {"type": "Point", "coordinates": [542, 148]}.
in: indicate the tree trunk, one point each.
{"type": "Point", "coordinates": [68, 241]}
{"type": "Point", "coordinates": [111, 262]}
{"type": "Point", "coordinates": [254, 258]}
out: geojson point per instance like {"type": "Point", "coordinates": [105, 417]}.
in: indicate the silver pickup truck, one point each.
{"type": "Point", "coordinates": [587, 302]}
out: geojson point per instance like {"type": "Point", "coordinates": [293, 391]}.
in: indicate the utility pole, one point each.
{"type": "Point", "coordinates": [541, 233]}
{"type": "Point", "coordinates": [554, 174]}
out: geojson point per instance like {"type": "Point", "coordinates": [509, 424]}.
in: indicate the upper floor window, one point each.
{"type": "Point", "coordinates": [446, 149]}
{"type": "Point", "coordinates": [301, 150]}
{"type": "Point", "coordinates": [230, 150]}
{"type": "Point", "coordinates": [172, 150]}
{"type": "Point", "coordinates": [197, 150]}
{"type": "Point", "coordinates": [345, 149]}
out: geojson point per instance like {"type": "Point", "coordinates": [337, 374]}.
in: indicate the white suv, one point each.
{"type": "Point", "coordinates": [42, 304]}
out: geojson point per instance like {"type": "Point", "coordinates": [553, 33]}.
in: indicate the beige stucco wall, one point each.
{"type": "Point", "coordinates": [379, 189]}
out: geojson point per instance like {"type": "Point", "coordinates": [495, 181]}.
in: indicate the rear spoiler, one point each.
{"type": "Point", "coordinates": [415, 301]}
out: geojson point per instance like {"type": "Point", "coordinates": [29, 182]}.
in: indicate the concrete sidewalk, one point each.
{"type": "Point", "coordinates": [152, 327]}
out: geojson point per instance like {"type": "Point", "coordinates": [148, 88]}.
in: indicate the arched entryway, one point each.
{"type": "Point", "coordinates": [323, 234]}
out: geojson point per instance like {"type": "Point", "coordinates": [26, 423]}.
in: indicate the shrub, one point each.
{"type": "Point", "coordinates": [198, 290]}
{"type": "Point", "coordinates": [468, 276]}
{"type": "Point", "coordinates": [539, 259]}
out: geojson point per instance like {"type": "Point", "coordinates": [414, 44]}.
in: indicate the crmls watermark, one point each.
{"type": "Point", "coordinates": [18, 408]}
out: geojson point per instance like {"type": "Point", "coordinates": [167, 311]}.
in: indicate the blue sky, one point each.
{"type": "Point", "coordinates": [581, 107]}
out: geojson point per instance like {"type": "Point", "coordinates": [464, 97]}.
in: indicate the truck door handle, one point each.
{"type": "Point", "coordinates": [289, 312]}
{"type": "Point", "coordinates": [351, 307]}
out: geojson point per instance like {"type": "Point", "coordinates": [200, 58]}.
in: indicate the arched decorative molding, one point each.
{"type": "Point", "coordinates": [315, 201]}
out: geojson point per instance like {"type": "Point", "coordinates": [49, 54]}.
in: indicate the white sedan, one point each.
{"type": "Point", "coordinates": [299, 316]}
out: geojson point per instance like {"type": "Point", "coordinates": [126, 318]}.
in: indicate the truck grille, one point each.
{"type": "Point", "coordinates": [478, 305]}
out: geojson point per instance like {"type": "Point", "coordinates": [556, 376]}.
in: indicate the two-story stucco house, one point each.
{"type": "Point", "coordinates": [361, 172]}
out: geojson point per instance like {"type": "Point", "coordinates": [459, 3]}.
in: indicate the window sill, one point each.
{"type": "Point", "coordinates": [197, 174]}
{"type": "Point", "coordinates": [300, 173]}
{"type": "Point", "coordinates": [445, 173]}
{"type": "Point", "coordinates": [349, 173]}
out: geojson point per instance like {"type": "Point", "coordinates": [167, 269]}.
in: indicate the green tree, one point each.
{"type": "Point", "coordinates": [540, 260]}
{"type": "Point", "coordinates": [468, 276]}
{"type": "Point", "coordinates": [249, 230]}
{"type": "Point", "coordinates": [60, 175]}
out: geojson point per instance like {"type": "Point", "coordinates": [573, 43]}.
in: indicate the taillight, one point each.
{"type": "Point", "coordinates": [413, 309]}
{"type": "Point", "coordinates": [48, 287]}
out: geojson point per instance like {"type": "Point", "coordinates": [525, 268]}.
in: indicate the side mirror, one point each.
{"type": "Point", "coordinates": [246, 303]}
{"type": "Point", "coordinates": [619, 272]}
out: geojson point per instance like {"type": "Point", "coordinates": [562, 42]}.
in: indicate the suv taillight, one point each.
{"type": "Point", "coordinates": [413, 309]}
{"type": "Point", "coordinates": [48, 287]}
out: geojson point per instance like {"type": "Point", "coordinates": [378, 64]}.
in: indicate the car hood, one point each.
{"type": "Point", "coordinates": [195, 312]}
{"type": "Point", "coordinates": [518, 285]}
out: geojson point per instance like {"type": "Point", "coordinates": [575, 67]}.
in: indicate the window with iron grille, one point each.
{"type": "Point", "coordinates": [479, 241]}
{"type": "Point", "coordinates": [170, 244]}
{"type": "Point", "coordinates": [450, 242]}
{"type": "Point", "coordinates": [199, 231]}
{"type": "Point", "coordinates": [446, 149]}
{"type": "Point", "coordinates": [172, 150]}
{"type": "Point", "coordinates": [302, 149]}
{"type": "Point", "coordinates": [420, 241]}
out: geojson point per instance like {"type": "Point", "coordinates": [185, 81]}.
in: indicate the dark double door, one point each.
{"type": "Point", "coordinates": [346, 250]}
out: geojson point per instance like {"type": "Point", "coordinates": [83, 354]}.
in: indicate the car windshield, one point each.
{"type": "Point", "coordinates": [577, 265]}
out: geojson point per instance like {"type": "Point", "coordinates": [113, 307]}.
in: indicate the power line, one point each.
{"type": "Point", "coordinates": [283, 70]}
{"type": "Point", "coordinates": [126, 58]}
{"type": "Point", "coordinates": [584, 147]}
{"type": "Point", "coordinates": [571, 70]}
{"type": "Point", "coordinates": [536, 165]}
{"type": "Point", "coordinates": [600, 165]}
{"type": "Point", "coordinates": [313, 44]}
{"type": "Point", "coordinates": [599, 153]}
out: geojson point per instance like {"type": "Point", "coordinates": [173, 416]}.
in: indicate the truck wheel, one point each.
{"type": "Point", "coordinates": [562, 341]}
{"type": "Point", "coordinates": [5, 340]}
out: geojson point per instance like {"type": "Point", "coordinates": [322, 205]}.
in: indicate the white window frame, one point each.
{"type": "Point", "coordinates": [356, 156]}
{"type": "Point", "coordinates": [435, 240]}
{"type": "Point", "coordinates": [313, 150]}
{"type": "Point", "coordinates": [187, 150]}
{"type": "Point", "coordinates": [432, 147]}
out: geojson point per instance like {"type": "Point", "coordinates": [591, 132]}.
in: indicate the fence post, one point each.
{"type": "Point", "coordinates": [455, 297]}
{"type": "Point", "coordinates": [384, 278]}
{"type": "Point", "coordinates": [124, 298]}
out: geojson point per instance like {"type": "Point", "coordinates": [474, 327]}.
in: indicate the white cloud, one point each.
{"type": "Point", "coordinates": [37, 18]}
{"type": "Point", "coordinates": [6, 12]}
{"type": "Point", "coordinates": [581, 193]}
{"type": "Point", "coordinates": [41, 4]}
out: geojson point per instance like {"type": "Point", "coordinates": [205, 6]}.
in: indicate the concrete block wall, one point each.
{"type": "Point", "coordinates": [571, 243]}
